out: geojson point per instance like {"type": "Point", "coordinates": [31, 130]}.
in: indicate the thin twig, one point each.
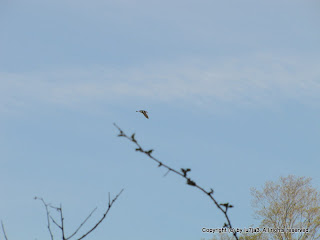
{"type": "Point", "coordinates": [62, 225]}
{"type": "Point", "coordinates": [184, 175]}
{"type": "Point", "coordinates": [166, 173]}
{"type": "Point", "coordinates": [4, 232]}
{"type": "Point", "coordinates": [81, 224]}
{"type": "Point", "coordinates": [48, 215]}
{"type": "Point", "coordinates": [53, 207]}
{"type": "Point", "coordinates": [55, 222]}
{"type": "Point", "coordinates": [103, 217]}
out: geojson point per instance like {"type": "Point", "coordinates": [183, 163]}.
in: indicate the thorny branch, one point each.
{"type": "Point", "coordinates": [61, 225]}
{"type": "Point", "coordinates": [223, 207]}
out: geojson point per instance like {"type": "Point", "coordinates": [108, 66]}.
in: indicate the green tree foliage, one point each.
{"type": "Point", "coordinates": [290, 203]}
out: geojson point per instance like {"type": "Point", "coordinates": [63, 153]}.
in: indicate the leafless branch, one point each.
{"type": "Point", "coordinates": [52, 219]}
{"type": "Point", "coordinates": [103, 217]}
{"type": "Point", "coordinates": [61, 225]}
{"type": "Point", "coordinates": [4, 232]}
{"type": "Point", "coordinates": [223, 207]}
{"type": "Point", "coordinates": [82, 224]}
{"type": "Point", "coordinates": [48, 215]}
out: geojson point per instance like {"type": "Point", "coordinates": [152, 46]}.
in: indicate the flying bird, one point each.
{"type": "Point", "coordinates": [144, 113]}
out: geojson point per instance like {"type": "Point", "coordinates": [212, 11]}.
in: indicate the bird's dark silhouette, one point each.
{"type": "Point", "coordinates": [144, 113]}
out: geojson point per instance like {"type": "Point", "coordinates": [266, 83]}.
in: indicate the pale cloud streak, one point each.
{"type": "Point", "coordinates": [258, 80]}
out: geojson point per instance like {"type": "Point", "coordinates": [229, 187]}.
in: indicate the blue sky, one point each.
{"type": "Point", "coordinates": [232, 89]}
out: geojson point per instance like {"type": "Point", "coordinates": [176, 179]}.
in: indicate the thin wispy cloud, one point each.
{"type": "Point", "coordinates": [257, 80]}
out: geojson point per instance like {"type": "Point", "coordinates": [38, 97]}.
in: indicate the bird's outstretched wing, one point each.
{"type": "Point", "coordinates": [145, 114]}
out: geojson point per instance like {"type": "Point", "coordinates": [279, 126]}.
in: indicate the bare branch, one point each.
{"type": "Point", "coordinates": [4, 232]}
{"type": "Point", "coordinates": [55, 222]}
{"type": "Point", "coordinates": [103, 217]}
{"type": "Point", "coordinates": [48, 215]}
{"type": "Point", "coordinates": [183, 174]}
{"type": "Point", "coordinates": [62, 225]}
{"type": "Point", "coordinates": [82, 224]}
